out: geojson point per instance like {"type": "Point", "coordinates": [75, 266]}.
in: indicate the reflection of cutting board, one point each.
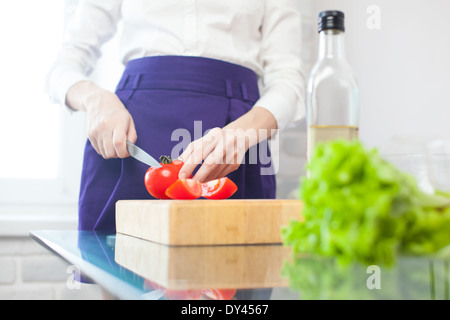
{"type": "Point", "coordinates": [198, 267]}
{"type": "Point", "coordinates": [206, 222]}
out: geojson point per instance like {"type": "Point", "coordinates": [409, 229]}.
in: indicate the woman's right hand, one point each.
{"type": "Point", "coordinates": [109, 122]}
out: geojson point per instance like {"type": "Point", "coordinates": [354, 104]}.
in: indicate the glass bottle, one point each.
{"type": "Point", "coordinates": [332, 90]}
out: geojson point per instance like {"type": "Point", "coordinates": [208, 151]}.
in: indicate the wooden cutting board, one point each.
{"type": "Point", "coordinates": [199, 267]}
{"type": "Point", "coordinates": [206, 222]}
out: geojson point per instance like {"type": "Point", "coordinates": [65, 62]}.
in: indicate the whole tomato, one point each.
{"type": "Point", "coordinates": [157, 180]}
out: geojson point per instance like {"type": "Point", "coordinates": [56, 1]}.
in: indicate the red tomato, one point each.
{"type": "Point", "coordinates": [157, 180]}
{"type": "Point", "coordinates": [219, 294]}
{"type": "Point", "coordinates": [184, 189]}
{"type": "Point", "coordinates": [222, 188]}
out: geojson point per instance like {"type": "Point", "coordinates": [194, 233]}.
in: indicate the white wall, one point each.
{"type": "Point", "coordinates": [403, 67]}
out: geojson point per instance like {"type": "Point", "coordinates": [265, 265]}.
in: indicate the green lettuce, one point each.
{"type": "Point", "coordinates": [359, 207]}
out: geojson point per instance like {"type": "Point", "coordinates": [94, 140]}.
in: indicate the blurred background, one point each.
{"type": "Point", "coordinates": [398, 49]}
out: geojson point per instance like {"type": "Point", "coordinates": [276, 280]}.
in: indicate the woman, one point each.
{"type": "Point", "coordinates": [187, 62]}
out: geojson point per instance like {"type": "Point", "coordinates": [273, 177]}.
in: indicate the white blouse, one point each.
{"type": "Point", "coordinates": [263, 35]}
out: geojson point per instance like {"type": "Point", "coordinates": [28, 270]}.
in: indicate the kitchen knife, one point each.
{"type": "Point", "coordinates": [141, 155]}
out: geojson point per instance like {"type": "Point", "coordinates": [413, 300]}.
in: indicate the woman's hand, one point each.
{"type": "Point", "coordinates": [223, 149]}
{"type": "Point", "coordinates": [109, 122]}
{"type": "Point", "coordinates": [109, 125]}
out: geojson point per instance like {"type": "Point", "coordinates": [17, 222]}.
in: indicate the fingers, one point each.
{"type": "Point", "coordinates": [94, 144]}
{"type": "Point", "coordinates": [131, 133]}
{"type": "Point", "coordinates": [198, 150]}
{"type": "Point", "coordinates": [108, 133]}
{"type": "Point", "coordinates": [112, 145]}
{"type": "Point", "coordinates": [220, 151]}
{"type": "Point", "coordinates": [96, 141]}
{"type": "Point", "coordinates": [104, 146]}
{"type": "Point", "coordinates": [120, 144]}
{"type": "Point", "coordinates": [220, 172]}
{"type": "Point", "coordinates": [212, 163]}
{"type": "Point", "coordinates": [109, 147]}
{"type": "Point", "coordinates": [120, 137]}
{"type": "Point", "coordinates": [226, 158]}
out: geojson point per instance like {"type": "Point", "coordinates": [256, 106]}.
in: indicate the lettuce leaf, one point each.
{"type": "Point", "coordinates": [359, 207]}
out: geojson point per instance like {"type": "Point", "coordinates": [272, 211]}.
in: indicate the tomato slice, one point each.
{"type": "Point", "coordinates": [184, 189]}
{"type": "Point", "coordinates": [222, 188]}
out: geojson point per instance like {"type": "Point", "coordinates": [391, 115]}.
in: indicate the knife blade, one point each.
{"type": "Point", "coordinates": [141, 155]}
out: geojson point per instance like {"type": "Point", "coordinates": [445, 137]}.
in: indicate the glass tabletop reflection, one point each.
{"type": "Point", "coordinates": [132, 268]}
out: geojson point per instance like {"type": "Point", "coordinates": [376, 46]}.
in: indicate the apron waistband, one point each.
{"type": "Point", "coordinates": [197, 74]}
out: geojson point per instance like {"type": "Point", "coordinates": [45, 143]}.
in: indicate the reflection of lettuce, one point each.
{"type": "Point", "coordinates": [320, 279]}
{"type": "Point", "coordinates": [412, 278]}
{"type": "Point", "coordinates": [359, 207]}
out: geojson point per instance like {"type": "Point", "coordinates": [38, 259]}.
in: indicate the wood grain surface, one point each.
{"type": "Point", "coordinates": [206, 222]}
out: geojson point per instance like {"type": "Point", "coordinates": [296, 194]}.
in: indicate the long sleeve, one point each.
{"type": "Point", "coordinates": [283, 77]}
{"type": "Point", "coordinates": [94, 23]}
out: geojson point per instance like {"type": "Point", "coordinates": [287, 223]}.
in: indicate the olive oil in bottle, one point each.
{"type": "Point", "coordinates": [332, 91]}
{"type": "Point", "coordinates": [325, 133]}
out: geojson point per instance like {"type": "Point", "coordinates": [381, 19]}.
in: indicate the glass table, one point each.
{"type": "Point", "coordinates": [132, 268]}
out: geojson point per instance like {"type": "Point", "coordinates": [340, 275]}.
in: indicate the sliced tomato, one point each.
{"type": "Point", "coordinates": [222, 188]}
{"type": "Point", "coordinates": [185, 189]}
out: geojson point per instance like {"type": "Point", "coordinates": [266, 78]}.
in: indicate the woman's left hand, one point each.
{"type": "Point", "coordinates": [221, 150]}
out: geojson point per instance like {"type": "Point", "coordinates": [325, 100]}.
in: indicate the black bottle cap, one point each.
{"type": "Point", "coordinates": [332, 19]}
